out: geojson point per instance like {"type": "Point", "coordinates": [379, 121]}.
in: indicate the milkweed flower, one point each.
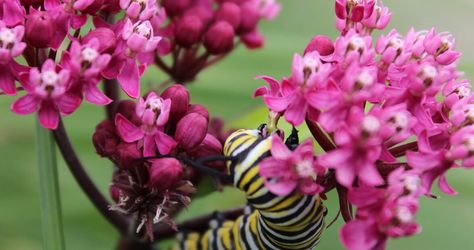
{"type": "Point", "coordinates": [154, 114]}
{"type": "Point", "coordinates": [11, 46]}
{"type": "Point", "coordinates": [286, 171]}
{"type": "Point", "coordinates": [47, 93]}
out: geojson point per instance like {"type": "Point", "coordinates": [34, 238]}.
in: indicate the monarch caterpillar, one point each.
{"type": "Point", "coordinates": [295, 221]}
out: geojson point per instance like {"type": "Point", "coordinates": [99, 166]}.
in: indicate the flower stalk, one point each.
{"type": "Point", "coordinates": [51, 216]}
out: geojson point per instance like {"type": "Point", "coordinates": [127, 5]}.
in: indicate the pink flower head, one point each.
{"type": "Point", "coordinates": [47, 94]}
{"type": "Point", "coordinates": [432, 164]}
{"type": "Point", "coordinates": [383, 213]}
{"type": "Point", "coordinates": [140, 37]}
{"type": "Point", "coordinates": [303, 92]}
{"type": "Point", "coordinates": [442, 47]}
{"type": "Point", "coordinates": [379, 19]}
{"type": "Point", "coordinates": [11, 46]}
{"type": "Point", "coordinates": [140, 9]}
{"type": "Point", "coordinates": [359, 147]}
{"type": "Point", "coordinates": [286, 171]}
{"type": "Point", "coordinates": [354, 47]}
{"type": "Point", "coordinates": [86, 64]}
{"type": "Point", "coordinates": [153, 113]}
{"type": "Point", "coordinates": [462, 147]}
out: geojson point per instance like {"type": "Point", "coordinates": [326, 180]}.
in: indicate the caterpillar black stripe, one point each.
{"type": "Point", "coordinates": [276, 222]}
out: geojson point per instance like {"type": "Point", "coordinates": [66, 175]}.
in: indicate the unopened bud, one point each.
{"type": "Point", "coordinates": [219, 38]}
{"type": "Point", "coordinates": [114, 192]}
{"type": "Point", "coordinates": [105, 139]}
{"type": "Point", "coordinates": [127, 155]}
{"type": "Point", "coordinates": [209, 146]}
{"type": "Point", "coordinates": [106, 39]}
{"type": "Point", "coordinates": [229, 12]}
{"type": "Point", "coordinates": [322, 44]}
{"type": "Point", "coordinates": [189, 30]}
{"type": "Point", "coordinates": [39, 28]}
{"type": "Point", "coordinates": [175, 7]}
{"type": "Point", "coordinates": [191, 130]}
{"type": "Point", "coordinates": [179, 97]}
{"type": "Point", "coordinates": [253, 40]}
{"type": "Point", "coordinates": [200, 109]}
{"type": "Point", "coordinates": [250, 18]}
{"type": "Point", "coordinates": [33, 3]}
{"type": "Point", "coordinates": [165, 173]}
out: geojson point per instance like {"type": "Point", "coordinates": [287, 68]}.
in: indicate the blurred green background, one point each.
{"type": "Point", "coordinates": [448, 222]}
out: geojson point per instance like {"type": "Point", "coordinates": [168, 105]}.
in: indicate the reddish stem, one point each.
{"type": "Point", "coordinates": [120, 222]}
{"type": "Point", "coordinates": [402, 149]}
{"type": "Point", "coordinates": [111, 90]}
{"type": "Point", "coordinates": [320, 136]}
{"type": "Point", "coordinates": [344, 205]}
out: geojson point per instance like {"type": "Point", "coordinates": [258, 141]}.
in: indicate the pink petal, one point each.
{"type": "Point", "coordinates": [48, 115]}
{"type": "Point", "coordinates": [422, 161]}
{"type": "Point", "coordinates": [369, 175]}
{"type": "Point", "coordinates": [279, 150]}
{"type": "Point", "coordinates": [445, 187]}
{"type": "Point", "coordinates": [129, 78]}
{"type": "Point", "coordinates": [165, 143]}
{"type": "Point", "coordinates": [26, 105]}
{"type": "Point", "coordinates": [359, 235]}
{"type": "Point", "coordinates": [260, 91]}
{"type": "Point", "coordinates": [7, 81]}
{"type": "Point", "coordinates": [95, 96]}
{"type": "Point", "coordinates": [277, 104]}
{"type": "Point", "coordinates": [127, 130]}
{"type": "Point", "coordinates": [280, 187]}
{"type": "Point", "coordinates": [272, 167]}
{"type": "Point", "coordinates": [165, 113]}
{"type": "Point", "coordinates": [296, 111]}
{"type": "Point", "coordinates": [273, 83]}
{"type": "Point", "coordinates": [68, 103]}
{"type": "Point", "coordinates": [149, 146]}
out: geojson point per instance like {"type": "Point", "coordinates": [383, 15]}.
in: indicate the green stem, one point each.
{"type": "Point", "coordinates": [51, 216]}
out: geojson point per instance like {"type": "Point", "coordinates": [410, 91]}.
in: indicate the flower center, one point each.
{"type": "Point", "coordinates": [411, 183]}
{"type": "Point", "coordinates": [404, 215]}
{"type": "Point", "coordinates": [396, 43]}
{"type": "Point", "coordinates": [49, 78]}
{"type": "Point", "coordinates": [370, 124]}
{"type": "Point", "coordinates": [365, 79]}
{"type": "Point", "coordinates": [143, 29]}
{"type": "Point", "coordinates": [469, 142]}
{"type": "Point", "coordinates": [155, 104]}
{"type": "Point", "coordinates": [89, 54]}
{"type": "Point", "coordinates": [463, 91]}
{"type": "Point", "coordinates": [7, 37]}
{"type": "Point", "coordinates": [305, 169]}
{"type": "Point", "coordinates": [427, 74]}
{"type": "Point", "coordinates": [399, 120]}
{"type": "Point", "coordinates": [357, 44]}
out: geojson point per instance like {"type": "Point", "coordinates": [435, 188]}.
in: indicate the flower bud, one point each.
{"type": "Point", "coordinates": [229, 12]}
{"type": "Point", "coordinates": [127, 155]}
{"type": "Point", "coordinates": [203, 13]}
{"type": "Point", "coordinates": [189, 30]}
{"type": "Point", "coordinates": [39, 28]}
{"type": "Point", "coordinates": [127, 108]}
{"type": "Point", "coordinates": [106, 39]}
{"type": "Point", "coordinates": [199, 109]}
{"type": "Point", "coordinates": [219, 38]}
{"type": "Point", "coordinates": [322, 44]}
{"type": "Point", "coordinates": [105, 139]}
{"type": "Point", "coordinates": [209, 146]}
{"type": "Point", "coordinates": [191, 130]}
{"type": "Point", "coordinates": [165, 173]}
{"type": "Point", "coordinates": [114, 192]}
{"type": "Point", "coordinates": [253, 40]}
{"type": "Point", "coordinates": [179, 97]}
{"type": "Point", "coordinates": [250, 18]}
{"type": "Point", "coordinates": [175, 7]}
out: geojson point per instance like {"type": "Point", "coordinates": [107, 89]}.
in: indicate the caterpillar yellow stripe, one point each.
{"type": "Point", "coordinates": [275, 222]}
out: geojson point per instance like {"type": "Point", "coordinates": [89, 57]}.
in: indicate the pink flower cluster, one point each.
{"type": "Point", "coordinates": [370, 98]}
{"type": "Point", "coordinates": [120, 49]}
{"type": "Point", "coordinates": [164, 125]}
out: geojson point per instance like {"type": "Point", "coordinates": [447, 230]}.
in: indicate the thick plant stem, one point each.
{"type": "Point", "coordinates": [318, 134]}
{"type": "Point", "coordinates": [87, 185]}
{"type": "Point", "coordinates": [51, 216]}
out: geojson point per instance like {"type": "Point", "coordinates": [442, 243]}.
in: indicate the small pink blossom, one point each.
{"type": "Point", "coordinates": [462, 147]}
{"type": "Point", "coordinates": [86, 64]}
{"type": "Point", "coordinates": [47, 94]}
{"type": "Point", "coordinates": [153, 113]}
{"type": "Point", "coordinates": [11, 46]}
{"type": "Point", "coordinates": [359, 147]}
{"type": "Point", "coordinates": [286, 171]}
{"type": "Point", "coordinates": [442, 47]}
{"type": "Point", "coordinates": [140, 9]}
